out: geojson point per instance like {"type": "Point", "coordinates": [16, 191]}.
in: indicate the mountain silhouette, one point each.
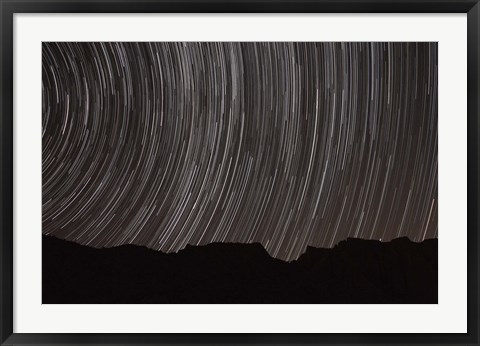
{"type": "Point", "coordinates": [354, 271]}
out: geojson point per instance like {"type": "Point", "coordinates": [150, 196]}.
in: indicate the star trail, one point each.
{"type": "Point", "coordinates": [288, 144]}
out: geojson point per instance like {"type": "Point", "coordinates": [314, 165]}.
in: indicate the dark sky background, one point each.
{"type": "Point", "coordinates": [286, 144]}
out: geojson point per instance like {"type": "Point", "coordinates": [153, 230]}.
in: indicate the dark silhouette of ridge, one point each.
{"type": "Point", "coordinates": [354, 271]}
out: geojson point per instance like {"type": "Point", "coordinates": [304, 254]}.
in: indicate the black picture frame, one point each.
{"type": "Point", "coordinates": [9, 7]}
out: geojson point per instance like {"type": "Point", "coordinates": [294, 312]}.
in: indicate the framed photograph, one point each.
{"type": "Point", "coordinates": [243, 172]}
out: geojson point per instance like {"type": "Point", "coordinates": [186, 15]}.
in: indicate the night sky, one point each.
{"type": "Point", "coordinates": [286, 144]}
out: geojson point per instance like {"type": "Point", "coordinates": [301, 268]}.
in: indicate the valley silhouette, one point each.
{"type": "Point", "coordinates": [354, 271]}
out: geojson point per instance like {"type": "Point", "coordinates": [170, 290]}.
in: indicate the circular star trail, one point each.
{"type": "Point", "coordinates": [287, 144]}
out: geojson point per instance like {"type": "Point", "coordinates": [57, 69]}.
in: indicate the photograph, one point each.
{"type": "Point", "coordinates": [239, 172]}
